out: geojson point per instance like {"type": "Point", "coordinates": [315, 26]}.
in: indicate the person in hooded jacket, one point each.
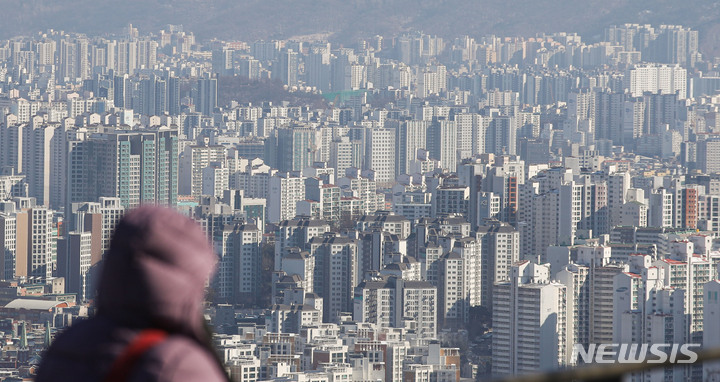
{"type": "Point", "coordinates": [149, 324]}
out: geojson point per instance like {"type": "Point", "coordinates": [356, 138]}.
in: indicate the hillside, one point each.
{"type": "Point", "coordinates": [244, 91]}
{"type": "Point", "coordinates": [349, 19]}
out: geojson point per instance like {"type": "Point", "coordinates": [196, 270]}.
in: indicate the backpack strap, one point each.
{"type": "Point", "coordinates": [123, 365]}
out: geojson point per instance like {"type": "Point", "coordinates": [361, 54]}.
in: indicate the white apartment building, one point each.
{"type": "Point", "coordinates": [338, 273]}
{"type": "Point", "coordinates": [442, 143]}
{"type": "Point", "coordinates": [215, 179]}
{"type": "Point", "coordinates": [246, 369]}
{"type": "Point", "coordinates": [284, 191]}
{"type": "Point", "coordinates": [192, 162]}
{"type": "Point", "coordinates": [223, 280]}
{"type": "Point", "coordinates": [531, 330]}
{"type": "Point", "coordinates": [711, 334]}
{"type": "Point", "coordinates": [296, 233]}
{"type": "Point", "coordinates": [656, 79]}
{"type": "Point", "coordinates": [248, 262]}
{"type": "Point", "coordinates": [297, 262]}
{"type": "Point", "coordinates": [660, 209]}
{"type": "Point", "coordinates": [8, 245]}
{"type": "Point", "coordinates": [500, 244]}
{"type": "Point", "coordinates": [454, 290]}
{"type": "Point", "coordinates": [418, 307]}
{"type": "Point", "coordinates": [409, 137]}
{"type": "Point", "coordinates": [388, 222]}
{"type": "Point", "coordinates": [365, 189]}
{"type": "Point", "coordinates": [380, 154]}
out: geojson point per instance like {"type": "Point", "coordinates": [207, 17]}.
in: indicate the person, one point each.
{"type": "Point", "coordinates": [149, 324]}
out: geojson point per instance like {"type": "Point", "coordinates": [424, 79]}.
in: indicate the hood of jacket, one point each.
{"type": "Point", "coordinates": [155, 272]}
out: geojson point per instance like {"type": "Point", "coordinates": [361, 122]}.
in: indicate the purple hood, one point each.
{"type": "Point", "coordinates": [153, 276]}
{"type": "Point", "coordinates": [155, 273]}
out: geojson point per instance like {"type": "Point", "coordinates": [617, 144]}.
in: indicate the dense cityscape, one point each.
{"type": "Point", "coordinates": [403, 208]}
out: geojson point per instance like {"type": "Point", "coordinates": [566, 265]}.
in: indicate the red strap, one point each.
{"type": "Point", "coordinates": [123, 365]}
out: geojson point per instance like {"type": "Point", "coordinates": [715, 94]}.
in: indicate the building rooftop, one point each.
{"type": "Point", "coordinates": [31, 304]}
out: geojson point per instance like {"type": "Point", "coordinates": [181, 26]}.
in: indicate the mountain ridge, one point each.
{"type": "Point", "coordinates": [351, 19]}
